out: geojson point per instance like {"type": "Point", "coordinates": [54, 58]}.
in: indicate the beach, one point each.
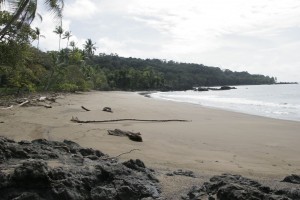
{"type": "Point", "coordinates": [212, 142]}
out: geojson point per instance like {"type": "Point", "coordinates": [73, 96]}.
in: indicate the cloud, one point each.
{"type": "Point", "coordinates": [80, 10]}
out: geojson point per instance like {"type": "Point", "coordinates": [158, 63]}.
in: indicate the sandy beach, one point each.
{"type": "Point", "coordinates": [212, 142]}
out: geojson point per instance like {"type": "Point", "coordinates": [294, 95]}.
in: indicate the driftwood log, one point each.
{"type": "Point", "coordinates": [7, 108]}
{"type": "Point", "coordinates": [107, 109]}
{"type": "Point", "coordinates": [84, 108]}
{"type": "Point", "coordinates": [132, 136]}
{"type": "Point", "coordinates": [23, 103]}
{"type": "Point", "coordinates": [43, 101]}
{"type": "Point", "coordinates": [75, 119]}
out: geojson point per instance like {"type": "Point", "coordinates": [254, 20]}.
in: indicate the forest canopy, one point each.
{"type": "Point", "coordinates": [25, 68]}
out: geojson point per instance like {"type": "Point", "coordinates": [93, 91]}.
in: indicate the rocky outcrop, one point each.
{"type": "Point", "coordinates": [50, 170]}
{"type": "Point", "coordinates": [236, 187]}
{"type": "Point", "coordinates": [295, 179]}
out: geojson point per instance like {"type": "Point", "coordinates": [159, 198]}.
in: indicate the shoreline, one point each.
{"type": "Point", "coordinates": [255, 107]}
{"type": "Point", "coordinates": [223, 109]}
{"type": "Point", "coordinates": [214, 142]}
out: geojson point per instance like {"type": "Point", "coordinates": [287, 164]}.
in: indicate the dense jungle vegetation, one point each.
{"type": "Point", "coordinates": [24, 68]}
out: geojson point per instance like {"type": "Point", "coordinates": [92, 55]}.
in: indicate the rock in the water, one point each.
{"type": "Point", "coordinates": [292, 179]}
{"type": "Point", "coordinates": [50, 170]}
{"type": "Point", "coordinates": [236, 187]}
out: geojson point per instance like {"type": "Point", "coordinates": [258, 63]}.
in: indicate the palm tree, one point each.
{"type": "Point", "coordinates": [25, 11]}
{"type": "Point", "coordinates": [67, 36]}
{"type": "Point", "coordinates": [89, 47]}
{"type": "Point", "coordinates": [59, 31]}
{"type": "Point", "coordinates": [73, 45]}
{"type": "Point", "coordinates": [39, 35]}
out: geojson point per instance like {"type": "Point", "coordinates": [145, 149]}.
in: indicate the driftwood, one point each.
{"type": "Point", "coordinates": [44, 101]}
{"type": "Point", "coordinates": [115, 157]}
{"type": "Point", "coordinates": [127, 152]}
{"type": "Point", "coordinates": [23, 103]}
{"type": "Point", "coordinates": [107, 109]}
{"type": "Point", "coordinates": [47, 106]}
{"type": "Point", "coordinates": [7, 108]}
{"type": "Point", "coordinates": [84, 108]}
{"type": "Point", "coordinates": [75, 119]}
{"type": "Point", "coordinates": [132, 136]}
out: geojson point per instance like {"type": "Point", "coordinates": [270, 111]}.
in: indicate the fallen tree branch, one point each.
{"type": "Point", "coordinates": [84, 108]}
{"type": "Point", "coordinates": [126, 153]}
{"type": "Point", "coordinates": [121, 154]}
{"type": "Point", "coordinates": [23, 103]}
{"type": "Point", "coordinates": [75, 119]}
{"type": "Point", "coordinates": [7, 108]}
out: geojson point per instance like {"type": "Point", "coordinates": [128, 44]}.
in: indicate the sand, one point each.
{"type": "Point", "coordinates": [213, 142]}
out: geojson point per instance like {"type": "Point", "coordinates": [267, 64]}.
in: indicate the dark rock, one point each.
{"type": "Point", "coordinates": [292, 179]}
{"type": "Point", "coordinates": [182, 173]}
{"type": "Point", "coordinates": [236, 187]}
{"type": "Point", "coordinates": [76, 173]}
{"type": "Point", "coordinates": [103, 193]}
{"type": "Point", "coordinates": [87, 152]}
{"type": "Point", "coordinates": [31, 174]}
{"type": "Point", "coordinates": [227, 88]}
{"type": "Point", "coordinates": [24, 142]}
{"type": "Point", "coordinates": [28, 196]}
{"type": "Point", "coordinates": [135, 164]}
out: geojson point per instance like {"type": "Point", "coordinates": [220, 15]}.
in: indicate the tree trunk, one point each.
{"type": "Point", "coordinates": [14, 18]}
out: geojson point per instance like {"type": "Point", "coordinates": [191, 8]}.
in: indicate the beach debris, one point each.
{"type": "Point", "coordinates": [84, 108]}
{"type": "Point", "coordinates": [107, 109]}
{"type": "Point", "coordinates": [1, 122]}
{"type": "Point", "coordinates": [115, 157]}
{"type": "Point", "coordinates": [132, 136]}
{"type": "Point", "coordinates": [75, 119]}
{"type": "Point", "coordinates": [7, 108]}
{"type": "Point", "coordinates": [47, 106]}
{"type": "Point", "coordinates": [78, 173]}
{"type": "Point", "coordinates": [230, 186]}
{"type": "Point", "coordinates": [44, 101]}
{"type": "Point", "coordinates": [181, 172]}
{"type": "Point", "coordinates": [295, 179]}
{"type": "Point", "coordinates": [23, 103]}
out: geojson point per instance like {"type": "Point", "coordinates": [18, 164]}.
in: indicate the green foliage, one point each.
{"type": "Point", "coordinates": [68, 87]}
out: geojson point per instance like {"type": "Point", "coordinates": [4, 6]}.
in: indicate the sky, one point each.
{"type": "Point", "coordinates": [258, 36]}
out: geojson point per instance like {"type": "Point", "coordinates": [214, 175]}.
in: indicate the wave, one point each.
{"type": "Point", "coordinates": [277, 108]}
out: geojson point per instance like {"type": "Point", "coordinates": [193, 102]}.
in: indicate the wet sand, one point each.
{"type": "Point", "coordinates": [213, 142]}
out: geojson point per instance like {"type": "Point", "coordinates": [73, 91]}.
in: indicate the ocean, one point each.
{"type": "Point", "coordinates": [275, 101]}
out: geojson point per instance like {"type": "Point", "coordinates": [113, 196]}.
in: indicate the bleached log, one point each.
{"type": "Point", "coordinates": [42, 98]}
{"type": "Point", "coordinates": [22, 104]}
{"type": "Point", "coordinates": [7, 108]}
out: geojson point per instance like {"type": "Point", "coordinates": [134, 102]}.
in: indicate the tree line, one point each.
{"type": "Point", "coordinates": [25, 68]}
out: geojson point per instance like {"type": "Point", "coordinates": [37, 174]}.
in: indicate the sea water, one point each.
{"type": "Point", "coordinates": [275, 101]}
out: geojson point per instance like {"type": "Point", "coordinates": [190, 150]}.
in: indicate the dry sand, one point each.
{"type": "Point", "coordinates": [214, 142]}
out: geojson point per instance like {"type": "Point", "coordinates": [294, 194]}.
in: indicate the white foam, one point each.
{"type": "Point", "coordinates": [239, 101]}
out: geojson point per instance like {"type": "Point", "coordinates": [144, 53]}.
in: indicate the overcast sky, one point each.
{"type": "Point", "coordinates": [258, 36]}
